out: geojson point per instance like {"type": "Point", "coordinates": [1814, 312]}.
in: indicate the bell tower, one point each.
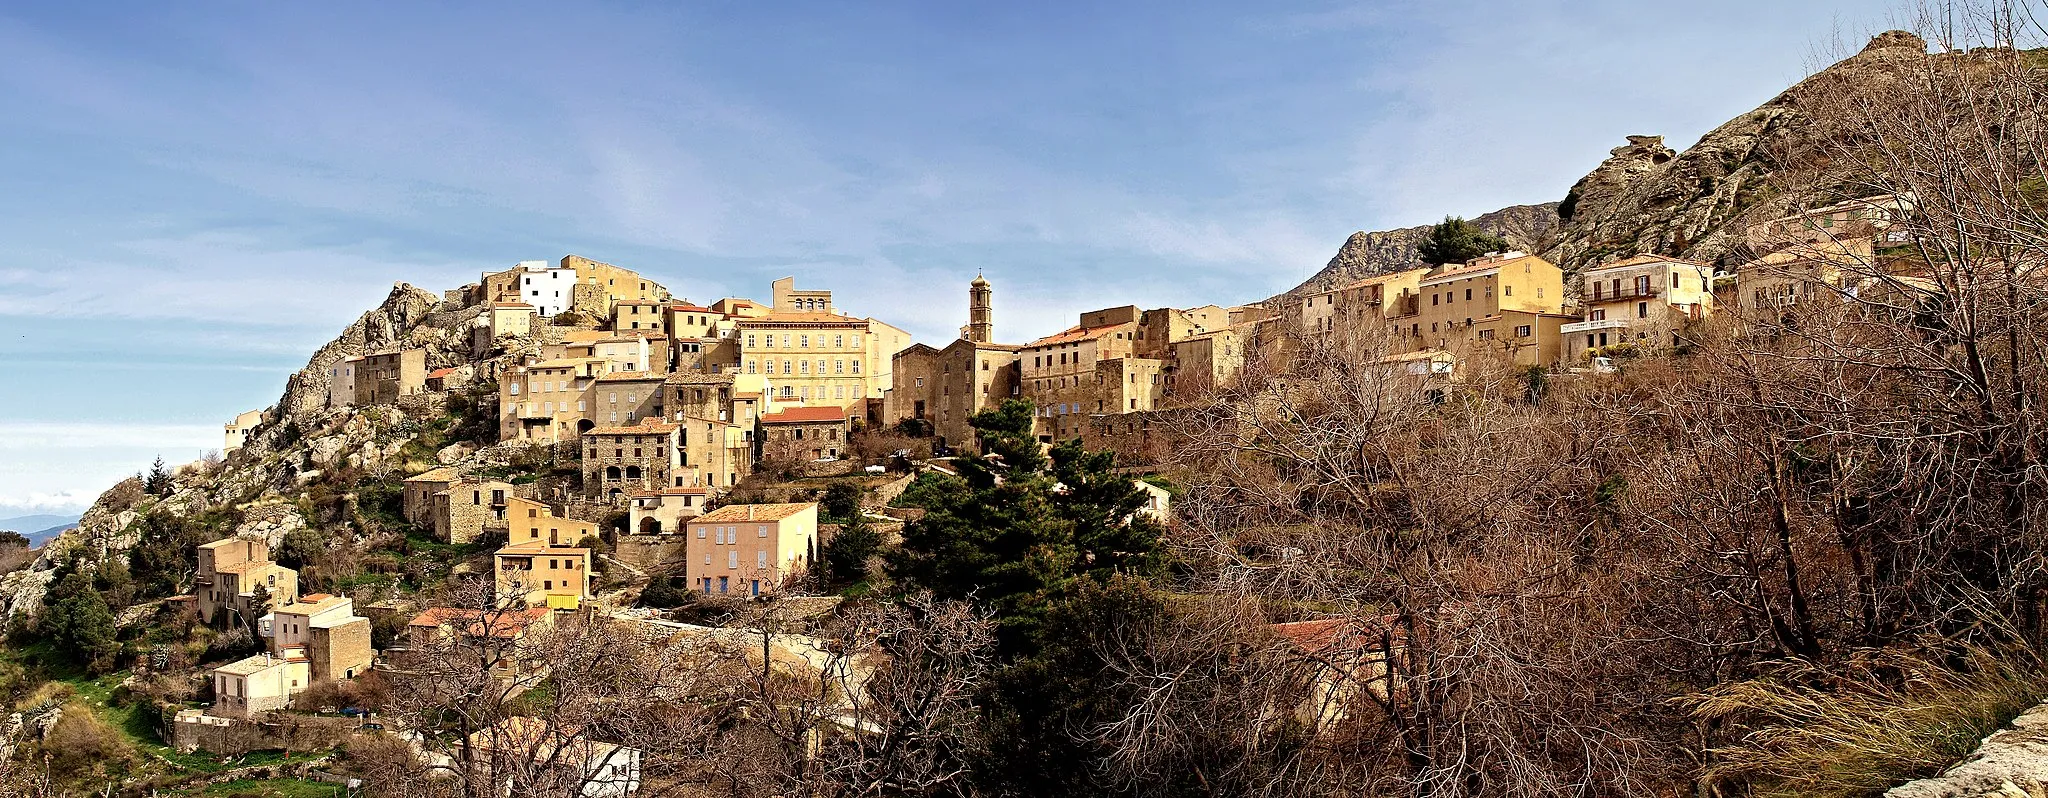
{"type": "Point", "coordinates": [981, 321]}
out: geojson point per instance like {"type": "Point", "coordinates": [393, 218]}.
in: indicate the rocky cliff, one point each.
{"type": "Point", "coordinates": [1649, 198]}
{"type": "Point", "coordinates": [257, 487]}
{"type": "Point", "coordinates": [1529, 227]}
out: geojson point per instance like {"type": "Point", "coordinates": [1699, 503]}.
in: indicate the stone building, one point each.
{"type": "Point", "coordinates": [228, 575]}
{"type": "Point", "coordinates": [623, 398]}
{"type": "Point", "coordinates": [946, 387]}
{"type": "Point", "coordinates": [1090, 368]}
{"type": "Point", "coordinates": [325, 631]}
{"type": "Point", "coordinates": [417, 501]}
{"type": "Point", "coordinates": [547, 401]}
{"type": "Point", "coordinates": [503, 629]}
{"type": "Point", "coordinates": [981, 312]}
{"type": "Point", "coordinates": [315, 639]}
{"type": "Point", "coordinates": [382, 378]}
{"type": "Point", "coordinates": [805, 433]}
{"type": "Point", "coordinates": [1639, 304]}
{"type": "Point", "coordinates": [716, 453]}
{"type": "Point", "coordinates": [464, 509]}
{"type": "Point", "coordinates": [623, 460]}
{"type": "Point", "coordinates": [750, 548]}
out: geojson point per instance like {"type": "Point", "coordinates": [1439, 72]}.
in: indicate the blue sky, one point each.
{"type": "Point", "coordinates": [200, 194]}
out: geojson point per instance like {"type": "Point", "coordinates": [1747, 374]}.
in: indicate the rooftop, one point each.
{"type": "Point", "coordinates": [532, 547]}
{"type": "Point", "coordinates": [253, 665]}
{"type": "Point", "coordinates": [632, 376]}
{"type": "Point", "coordinates": [689, 308]}
{"type": "Point", "coordinates": [751, 512]}
{"type": "Point", "coordinates": [442, 474]}
{"type": "Point", "coordinates": [1072, 334]}
{"type": "Point", "coordinates": [501, 623]}
{"type": "Point", "coordinates": [442, 372]}
{"type": "Point", "coordinates": [648, 427]}
{"type": "Point", "coordinates": [805, 415]}
{"type": "Point", "coordinates": [1643, 259]}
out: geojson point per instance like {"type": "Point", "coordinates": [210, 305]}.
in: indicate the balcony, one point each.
{"type": "Point", "coordinates": [1593, 326]}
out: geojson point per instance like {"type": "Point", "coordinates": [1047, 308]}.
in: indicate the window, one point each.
{"type": "Point", "coordinates": [1468, 294]}
{"type": "Point", "coordinates": [1642, 310]}
{"type": "Point", "coordinates": [760, 559]}
{"type": "Point", "coordinates": [1597, 315]}
{"type": "Point", "coordinates": [1643, 285]}
{"type": "Point", "coordinates": [1522, 331]}
{"type": "Point", "coordinates": [700, 533]}
{"type": "Point", "coordinates": [750, 340]}
{"type": "Point", "coordinates": [732, 559]}
{"type": "Point", "coordinates": [1507, 290]}
{"type": "Point", "coordinates": [1433, 299]}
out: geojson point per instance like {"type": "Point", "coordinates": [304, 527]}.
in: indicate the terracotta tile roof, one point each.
{"type": "Point", "coordinates": [442, 372]}
{"type": "Point", "coordinates": [566, 362]}
{"type": "Point", "coordinates": [1380, 278]}
{"type": "Point", "coordinates": [1075, 333]}
{"type": "Point", "coordinates": [1322, 636]}
{"type": "Point", "coordinates": [650, 494]}
{"type": "Point", "coordinates": [689, 308]}
{"type": "Point", "coordinates": [649, 428]}
{"type": "Point", "coordinates": [637, 302]}
{"type": "Point", "coordinates": [1643, 259]}
{"type": "Point", "coordinates": [631, 376]}
{"type": "Point", "coordinates": [805, 415]}
{"type": "Point", "coordinates": [750, 512]}
{"type": "Point", "coordinates": [800, 317]}
{"type": "Point", "coordinates": [511, 305]}
{"type": "Point", "coordinates": [504, 624]}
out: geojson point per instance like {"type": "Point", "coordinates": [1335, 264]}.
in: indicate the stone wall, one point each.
{"type": "Point", "coordinates": [649, 552]}
{"type": "Point", "coordinates": [192, 730]}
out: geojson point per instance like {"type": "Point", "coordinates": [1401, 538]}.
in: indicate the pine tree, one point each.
{"type": "Point", "coordinates": [158, 483]}
{"type": "Point", "coordinates": [1456, 241]}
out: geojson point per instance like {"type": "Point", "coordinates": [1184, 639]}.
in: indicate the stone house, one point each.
{"type": "Point", "coordinates": [623, 460]}
{"type": "Point", "coordinates": [547, 401]}
{"type": "Point", "coordinates": [227, 577]}
{"type": "Point", "coordinates": [624, 398]}
{"type": "Point", "coordinates": [637, 314]}
{"type": "Point", "coordinates": [946, 387]}
{"type": "Point", "coordinates": [382, 378]}
{"type": "Point", "coordinates": [1350, 662]}
{"type": "Point", "coordinates": [519, 747]}
{"type": "Point", "coordinates": [750, 548]}
{"type": "Point", "coordinates": [664, 511]}
{"type": "Point", "coordinates": [448, 379]}
{"type": "Point", "coordinates": [417, 500]}
{"type": "Point", "coordinates": [807, 433]}
{"type": "Point", "coordinates": [462, 511]}
{"type": "Point", "coordinates": [326, 633]}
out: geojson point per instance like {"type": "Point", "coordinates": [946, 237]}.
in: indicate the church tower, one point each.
{"type": "Point", "coordinates": [981, 320]}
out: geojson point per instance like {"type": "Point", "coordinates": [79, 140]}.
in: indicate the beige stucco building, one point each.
{"type": "Point", "coordinates": [1639, 304]}
{"type": "Point", "coordinates": [547, 401]}
{"type": "Point", "coordinates": [1508, 304]}
{"type": "Point", "coordinates": [236, 432]}
{"type": "Point", "coordinates": [750, 549]}
{"type": "Point", "coordinates": [806, 351]}
{"type": "Point", "coordinates": [544, 574]}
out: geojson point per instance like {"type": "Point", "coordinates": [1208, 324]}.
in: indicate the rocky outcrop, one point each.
{"type": "Point", "coordinates": [1649, 198]}
{"type": "Point", "coordinates": [2012, 763]}
{"type": "Point", "coordinates": [1646, 198]}
{"type": "Point", "coordinates": [1527, 227]}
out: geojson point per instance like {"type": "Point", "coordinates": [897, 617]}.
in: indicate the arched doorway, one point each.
{"type": "Point", "coordinates": [650, 526]}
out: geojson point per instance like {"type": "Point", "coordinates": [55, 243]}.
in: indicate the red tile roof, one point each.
{"type": "Point", "coordinates": [1072, 334]}
{"type": "Point", "coordinates": [631, 376]}
{"type": "Point", "coordinates": [689, 308]}
{"type": "Point", "coordinates": [442, 372]}
{"type": "Point", "coordinates": [504, 624]}
{"type": "Point", "coordinates": [805, 415]}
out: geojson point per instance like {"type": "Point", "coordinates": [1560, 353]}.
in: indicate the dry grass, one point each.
{"type": "Point", "coordinates": [1860, 728]}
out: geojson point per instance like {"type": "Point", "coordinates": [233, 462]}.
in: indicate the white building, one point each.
{"type": "Point", "coordinates": [550, 290]}
{"type": "Point", "coordinates": [237, 431]}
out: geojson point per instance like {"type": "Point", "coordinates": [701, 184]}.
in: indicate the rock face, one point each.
{"type": "Point", "coordinates": [1695, 204]}
{"type": "Point", "coordinates": [1648, 198]}
{"type": "Point", "coordinates": [1527, 227]}
{"type": "Point", "coordinates": [299, 435]}
{"type": "Point", "coordinates": [2011, 763]}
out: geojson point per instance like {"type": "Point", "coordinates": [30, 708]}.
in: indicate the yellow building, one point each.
{"type": "Point", "coordinates": [528, 521]}
{"type": "Point", "coordinates": [750, 548]}
{"type": "Point", "coordinates": [1639, 304]}
{"type": "Point", "coordinates": [1508, 304]}
{"type": "Point", "coordinates": [544, 574]}
{"type": "Point", "coordinates": [807, 351]}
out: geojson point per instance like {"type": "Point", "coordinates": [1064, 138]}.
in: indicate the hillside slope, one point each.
{"type": "Point", "coordinates": [1648, 198]}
